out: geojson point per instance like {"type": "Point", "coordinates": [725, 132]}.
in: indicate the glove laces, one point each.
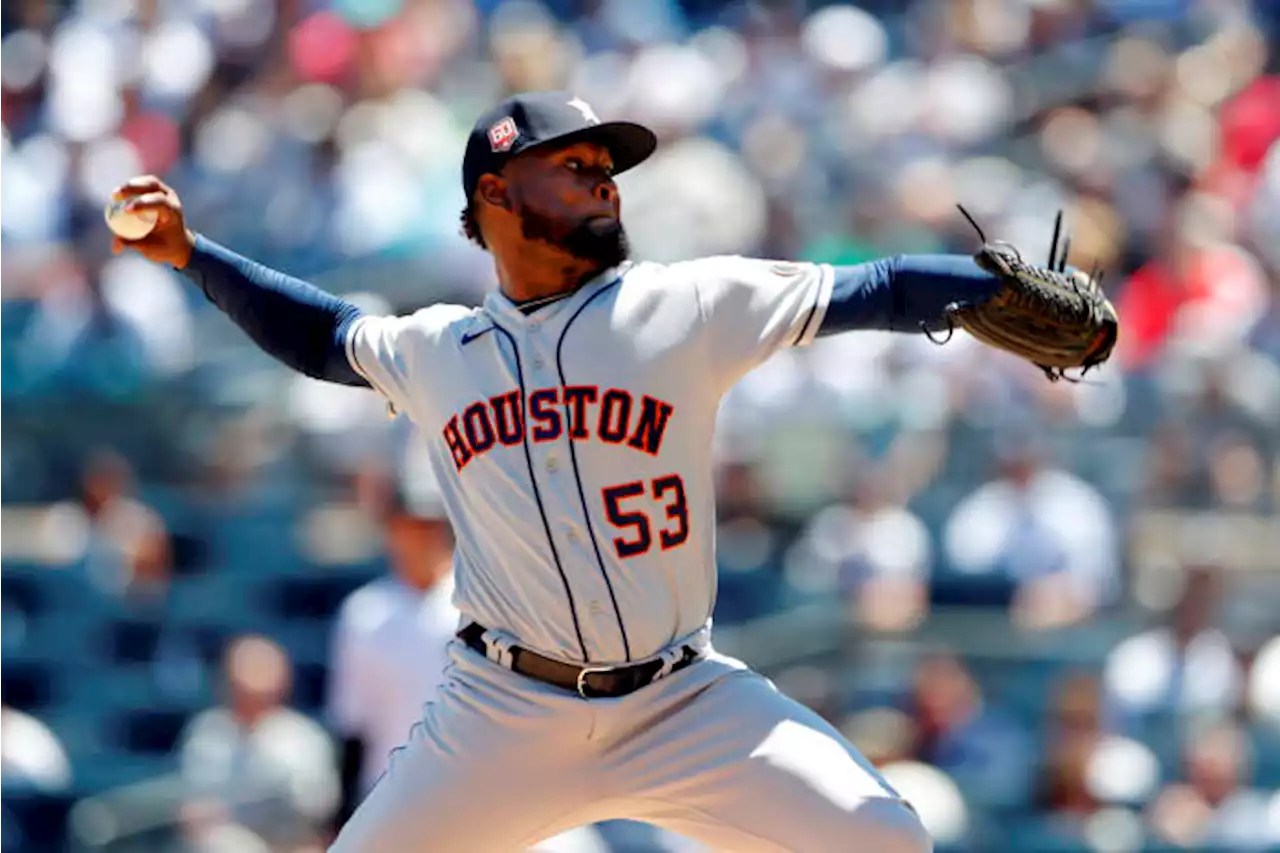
{"type": "Point", "coordinates": [1054, 273]}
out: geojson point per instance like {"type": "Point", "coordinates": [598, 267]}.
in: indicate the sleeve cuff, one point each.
{"type": "Point", "coordinates": [353, 359]}
{"type": "Point", "coordinates": [200, 249]}
{"type": "Point", "coordinates": [350, 346]}
{"type": "Point", "coordinates": [818, 310]}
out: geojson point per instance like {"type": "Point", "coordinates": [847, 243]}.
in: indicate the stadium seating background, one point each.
{"type": "Point", "coordinates": [325, 138]}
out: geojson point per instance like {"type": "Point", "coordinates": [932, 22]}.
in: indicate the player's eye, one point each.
{"type": "Point", "coordinates": [573, 165]}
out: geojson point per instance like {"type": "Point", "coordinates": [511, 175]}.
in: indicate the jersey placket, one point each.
{"type": "Point", "coordinates": [553, 464]}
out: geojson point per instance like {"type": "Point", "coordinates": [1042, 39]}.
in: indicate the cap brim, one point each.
{"type": "Point", "coordinates": [628, 143]}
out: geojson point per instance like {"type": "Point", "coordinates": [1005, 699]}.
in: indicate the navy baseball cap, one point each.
{"type": "Point", "coordinates": [535, 119]}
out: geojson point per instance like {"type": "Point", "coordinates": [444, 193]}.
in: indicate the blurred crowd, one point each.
{"type": "Point", "coordinates": [1049, 610]}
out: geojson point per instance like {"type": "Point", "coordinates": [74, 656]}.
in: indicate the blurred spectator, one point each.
{"type": "Point", "coordinates": [128, 549]}
{"type": "Point", "coordinates": [272, 769]}
{"type": "Point", "coordinates": [1042, 529]}
{"type": "Point", "coordinates": [77, 341]}
{"type": "Point", "coordinates": [236, 458]}
{"type": "Point", "coordinates": [1198, 288]}
{"type": "Point", "coordinates": [1074, 719]}
{"type": "Point", "coordinates": [750, 540]}
{"type": "Point", "coordinates": [1186, 666]}
{"type": "Point", "coordinates": [979, 744]}
{"type": "Point", "coordinates": [1222, 419]}
{"type": "Point", "coordinates": [878, 552]}
{"type": "Point", "coordinates": [1213, 806]}
{"type": "Point", "coordinates": [1088, 779]}
{"type": "Point", "coordinates": [1064, 783]}
{"type": "Point", "coordinates": [1086, 767]}
{"type": "Point", "coordinates": [30, 754]}
{"type": "Point", "coordinates": [388, 656]}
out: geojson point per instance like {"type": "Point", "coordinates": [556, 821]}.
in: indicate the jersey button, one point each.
{"type": "Point", "coordinates": [539, 363]}
{"type": "Point", "coordinates": [553, 464]}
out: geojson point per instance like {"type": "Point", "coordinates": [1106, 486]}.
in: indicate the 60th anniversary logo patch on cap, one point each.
{"type": "Point", "coordinates": [503, 135]}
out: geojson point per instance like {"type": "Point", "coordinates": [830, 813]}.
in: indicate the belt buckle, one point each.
{"type": "Point", "coordinates": [584, 672]}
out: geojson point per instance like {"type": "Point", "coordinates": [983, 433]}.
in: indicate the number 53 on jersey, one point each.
{"type": "Point", "coordinates": [642, 510]}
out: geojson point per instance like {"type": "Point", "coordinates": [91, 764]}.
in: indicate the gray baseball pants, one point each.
{"type": "Point", "coordinates": [713, 752]}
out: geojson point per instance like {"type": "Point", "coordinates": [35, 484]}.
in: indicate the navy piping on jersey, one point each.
{"type": "Point", "coordinates": [537, 495]}
{"type": "Point", "coordinates": [807, 320]}
{"type": "Point", "coordinates": [471, 336]}
{"type": "Point", "coordinates": [573, 458]}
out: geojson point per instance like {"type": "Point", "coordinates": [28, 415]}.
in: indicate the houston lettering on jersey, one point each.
{"type": "Point", "coordinates": [613, 416]}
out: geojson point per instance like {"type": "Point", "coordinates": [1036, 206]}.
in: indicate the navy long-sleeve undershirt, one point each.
{"type": "Point", "coordinates": [291, 320]}
{"type": "Point", "coordinates": [306, 328]}
{"type": "Point", "coordinates": [900, 293]}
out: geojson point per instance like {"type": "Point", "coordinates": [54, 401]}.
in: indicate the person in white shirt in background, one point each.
{"type": "Point", "coordinates": [388, 657]}
{"type": "Point", "coordinates": [254, 762]}
{"type": "Point", "coordinates": [1042, 528]}
{"type": "Point", "coordinates": [1185, 665]}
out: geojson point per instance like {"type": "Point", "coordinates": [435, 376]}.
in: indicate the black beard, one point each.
{"type": "Point", "coordinates": [600, 240]}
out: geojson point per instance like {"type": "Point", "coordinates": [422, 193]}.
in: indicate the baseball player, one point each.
{"type": "Point", "coordinates": [570, 420]}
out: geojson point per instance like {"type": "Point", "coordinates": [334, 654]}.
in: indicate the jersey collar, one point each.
{"type": "Point", "coordinates": [503, 310]}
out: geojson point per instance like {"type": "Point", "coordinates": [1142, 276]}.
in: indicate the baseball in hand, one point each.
{"type": "Point", "coordinates": [129, 224]}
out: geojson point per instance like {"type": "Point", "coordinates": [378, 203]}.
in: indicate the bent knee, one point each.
{"type": "Point", "coordinates": [890, 826]}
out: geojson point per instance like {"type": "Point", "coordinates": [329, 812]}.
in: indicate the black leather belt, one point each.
{"type": "Point", "coordinates": [589, 682]}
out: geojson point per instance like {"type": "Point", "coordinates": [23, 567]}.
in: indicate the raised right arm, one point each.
{"type": "Point", "coordinates": [293, 321]}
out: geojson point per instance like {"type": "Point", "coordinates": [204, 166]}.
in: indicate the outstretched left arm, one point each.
{"type": "Point", "coordinates": [900, 293]}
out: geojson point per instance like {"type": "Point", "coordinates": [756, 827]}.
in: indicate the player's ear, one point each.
{"type": "Point", "coordinates": [492, 189]}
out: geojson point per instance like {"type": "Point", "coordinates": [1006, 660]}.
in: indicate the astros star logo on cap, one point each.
{"type": "Point", "coordinates": [585, 108]}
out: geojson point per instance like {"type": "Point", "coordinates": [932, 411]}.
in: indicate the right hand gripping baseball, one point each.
{"type": "Point", "coordinates": [170, 242]}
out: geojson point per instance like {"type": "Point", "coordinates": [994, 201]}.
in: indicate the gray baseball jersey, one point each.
{"type": "Point", "coordinates": [573, 444]}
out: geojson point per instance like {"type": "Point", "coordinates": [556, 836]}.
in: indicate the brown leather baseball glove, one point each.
{"type": "Point", "coordinates": [1054, 317]}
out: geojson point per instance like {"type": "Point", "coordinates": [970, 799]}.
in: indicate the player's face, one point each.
{"type": "Point", "coordinates": [566, 197]}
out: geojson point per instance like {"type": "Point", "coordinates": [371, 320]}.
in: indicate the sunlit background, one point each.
{"type": "Point", "coordinates": [1049, 611]}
